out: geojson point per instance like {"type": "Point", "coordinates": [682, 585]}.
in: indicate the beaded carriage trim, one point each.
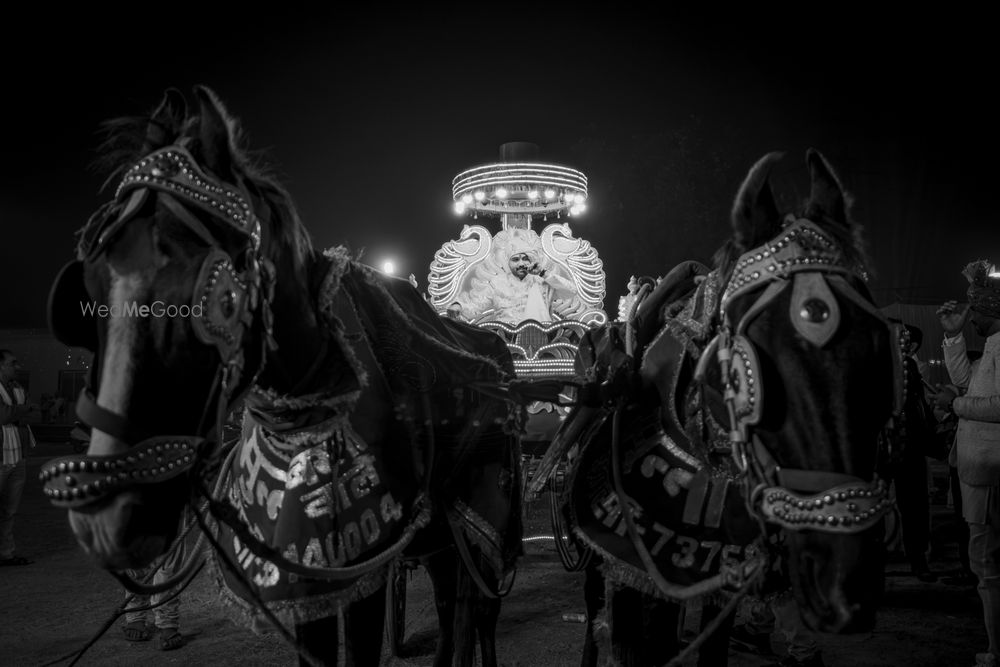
{"type": "Point", "coordinates": [173, 170]}
{"type": "Point", "coordinates": [803, 246]}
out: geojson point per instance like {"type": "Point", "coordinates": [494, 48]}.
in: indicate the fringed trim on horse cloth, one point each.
{"type": "Point", "coordinates": [692, 325]}
{"type": "Point", "coordinates": [619, 575]}
{"type": "Point", "coordinates": [411, 333]}
{"type": "Point", "coordinates": [291, 612]}
{"type": "Point", "coordinates": [483, 535]}
{"type": "Point", "coordinates": [329, 505]}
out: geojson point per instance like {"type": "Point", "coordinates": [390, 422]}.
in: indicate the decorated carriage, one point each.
{"type": "Point", "coordinates": [540, 291]}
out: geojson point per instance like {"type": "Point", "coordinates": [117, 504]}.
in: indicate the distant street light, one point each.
{"type": "Point", "coordinates": [389, 267]}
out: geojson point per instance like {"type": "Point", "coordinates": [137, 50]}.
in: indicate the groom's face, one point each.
{"type": "Point", "coordinates": [519, 264]}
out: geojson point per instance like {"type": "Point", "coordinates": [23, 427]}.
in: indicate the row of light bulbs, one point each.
{"type": "Point", "coordinates": [575, 200]}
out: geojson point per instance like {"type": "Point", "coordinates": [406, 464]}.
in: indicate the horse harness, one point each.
{"type": "Point", "coordinates": [804, 258]}
{"type": "Point", "coordinates": [228, 300]}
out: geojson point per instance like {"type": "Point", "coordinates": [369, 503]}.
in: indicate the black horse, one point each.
{"type": "Point", "coordinates": [363, 439]}
{"type": "Point", "coordinates": [728, 434]}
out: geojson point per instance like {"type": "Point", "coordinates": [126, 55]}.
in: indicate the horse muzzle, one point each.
{"type": "Point", "coordinates": [116, 534]}
{"type": "Point", "coordinates": [837, 578]}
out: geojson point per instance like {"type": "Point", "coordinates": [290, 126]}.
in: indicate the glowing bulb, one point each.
{"type": "Point", "coordinates": [459, 207]}
{"type": "Point", "coordinates": [580, 208]}
{"type": "Point", "coordinates": [389, 267]}
{"type": "Point", "coordinates": [550, 193]}
{"type": "Point", "coordinates": [480, 195]}
{"type": "Point", "coordinates": [533, 195]}
{"type": "Point", "coordinates": [579, 198]}
{"type": "Point", "coordinates": [467, 198]}
{"type": "Point", "coordinates": [501, 193]}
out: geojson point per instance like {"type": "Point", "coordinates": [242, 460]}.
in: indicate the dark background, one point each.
{"type": "Point", "coordinates": [368, 113]}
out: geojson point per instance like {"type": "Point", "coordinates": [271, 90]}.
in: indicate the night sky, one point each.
{"type": "Point", "coordinates": [367, 115]}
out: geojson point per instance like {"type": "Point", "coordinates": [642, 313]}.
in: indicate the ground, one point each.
{"type": "Point", "coordinates": [49, 610]}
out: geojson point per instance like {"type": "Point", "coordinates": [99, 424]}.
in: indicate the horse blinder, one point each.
{"type": "Point", "coordinates": [220, 306]}
{"type": "Point", "coordinates": [70, 311]}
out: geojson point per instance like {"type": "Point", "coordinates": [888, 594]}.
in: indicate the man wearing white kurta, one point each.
{"type": "Point", "coordinates": [15, 439]}
{"type": "Point", "coordinates": [976, 452]}
{"type": "Point", "coordinates": [524, 291]}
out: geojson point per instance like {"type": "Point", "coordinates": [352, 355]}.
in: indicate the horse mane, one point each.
{"type": "Point", "coordinates": [850, 237]}
{"type": "Point", "coordinates": [128, 139]}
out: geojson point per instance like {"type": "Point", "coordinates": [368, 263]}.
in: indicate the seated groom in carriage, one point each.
{"type": "Point", "coordinates": [515, 284]}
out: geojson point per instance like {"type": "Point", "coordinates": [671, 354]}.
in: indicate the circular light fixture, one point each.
{"type": "Point", "coordinates": [460, 207]}
{"type": "Point", "coordinates": [519, 187]}
{"type": "Point", "coordinates": [389, 267]}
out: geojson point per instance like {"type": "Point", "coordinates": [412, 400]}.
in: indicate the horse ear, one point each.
{"type": "Point", "coordinates": [165, 122]}
{"type": "Point", "coordinates": [755, 216]}
{"type": "Point", "coordinates": [214, 135]}
{"type": "Point", "coordinates": [826, 196]}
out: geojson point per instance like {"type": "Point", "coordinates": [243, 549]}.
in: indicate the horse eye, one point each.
{"type": "Point", "coordinates": [164, 168]}
{"type": "Point", "coordinates": [815, 310]}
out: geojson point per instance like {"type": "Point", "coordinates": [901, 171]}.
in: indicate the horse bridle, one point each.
{"type": "Point", "coordinates": [804, 258]}
{"type": "Point", "coordinates": [227, 299]}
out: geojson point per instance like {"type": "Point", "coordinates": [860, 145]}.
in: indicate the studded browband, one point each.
{"type": "Point", "coordinates": [172, 169]}
{"type": "Point", "coordinates": [803, 246]}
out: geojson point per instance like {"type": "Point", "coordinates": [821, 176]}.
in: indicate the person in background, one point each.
{"type": "Point", "coordinates": [974, 398]}
{"type": "Point", "coordinates": [946, 430]}
{"type": "Point", "coordinates": [916, 335]}
{"type": "Point", "coordinates": [162, 621]}
{"type": "Point", "coordinates": [906, 463]}
{"type": "Point", "coordinates": [16, 438]}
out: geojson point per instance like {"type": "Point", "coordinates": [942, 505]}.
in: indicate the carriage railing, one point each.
{"type": "Point", "coordinates": [541, 350]}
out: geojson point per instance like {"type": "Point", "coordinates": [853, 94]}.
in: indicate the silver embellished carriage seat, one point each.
{"type": "Point", "coordinates": [541, 313]}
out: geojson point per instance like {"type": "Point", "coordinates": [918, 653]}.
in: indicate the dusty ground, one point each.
{"type": "Point", "coordinates": [51, 609]}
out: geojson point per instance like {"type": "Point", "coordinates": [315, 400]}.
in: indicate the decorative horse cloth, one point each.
{"type": "Point", "coordinates": [686, 503]}
{"type": "Point", "coordinates": [306, 483]}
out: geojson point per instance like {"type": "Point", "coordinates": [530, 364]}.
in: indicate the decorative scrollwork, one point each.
{"type": "Point", "coordinates": [453, 261]}
{"type": "Point", "coordinates": [580, 260]}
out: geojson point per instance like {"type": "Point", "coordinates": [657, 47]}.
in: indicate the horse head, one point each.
{"type": "Point", "coordinates": [172, 290]}
{"type": "Point", "coordinates": [801, 374]}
